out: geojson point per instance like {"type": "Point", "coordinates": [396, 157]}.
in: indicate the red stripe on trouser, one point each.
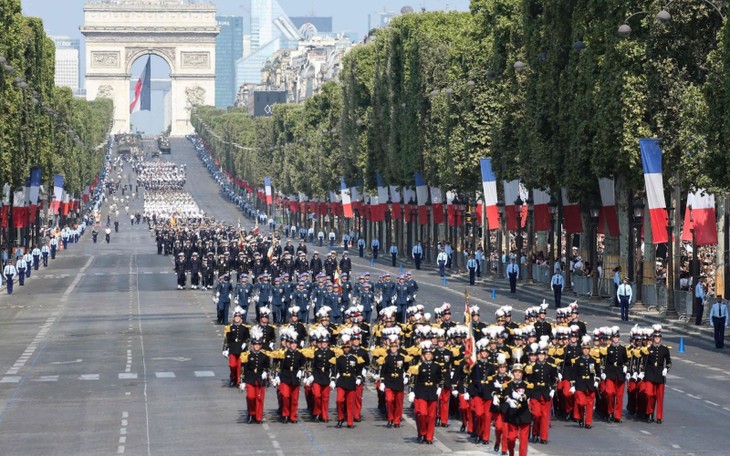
{"type": "Point", "coordinates": [514, 432]}
{"type": "Point", "coordinates": [289, 396]}
{"type": "Point", "coordinates": [615, 397]}
{"type": "Point", "coordinates": [358, 401]}
{"type": "Point", "coordinates": [655, 399]}
{"type": "Point", "coordinates": [346, 405]}
{"type": "Point", "coordinates": [234, 363]}
{"type": "Point", "coordinates": [321, 396]}
{"type": "Point", "coordinates": [500, 430]}
{"type": "Point", "coordinates": [443, 405]}
{"type": "Point", "coordinates": [394, 405]}
{"type": "Point", "coordinates": [584, 401]}
{"type": "Point", "coordinates": [425, 417]}
{"type": "Point", "coordinates": [541, 415]}
{"type": "Point", "coordinates": [255, 396]}
{"type": "Point", "coordinates": [466, 419]}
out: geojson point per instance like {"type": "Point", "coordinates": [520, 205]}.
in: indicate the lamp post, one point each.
{"type": "Point", "coordinates": [530, 237]}
{"type": "Point", "coordinates": [460, 243]}
{"type": "Point", "coordinates": [500, 266]}
{"type": "Point", "coordinates": [639, 268]}
{"type": "Point", "coordinates": [553, 206]}
{"type": "Point", "coordinates": [694, 262]}
{"type": "Point", "coordinates": [594, 248]}
{"type": "Point", "coordinates": [388, 223]}
{"type": "Point", "coordinates": [518, 241]}
{"type": "Point", "coordinates": [412, 211]}
{"type": "Point", "coordinates": [671, 312]}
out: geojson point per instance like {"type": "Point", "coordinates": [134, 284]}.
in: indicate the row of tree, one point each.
{"type": "Point", "coordinates": [42, 125]}
{"type": "Point", "coordinates": [551, 90]}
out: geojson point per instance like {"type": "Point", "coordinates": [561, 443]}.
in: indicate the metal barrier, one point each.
{"type": "Point", "coordinates": [582, 285]}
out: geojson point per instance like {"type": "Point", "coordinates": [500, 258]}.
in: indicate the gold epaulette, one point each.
{"type": "Point", "coordinates": [226, 330]}
{"type": "Point", "coordinates": [603, 351]}
{"type": "Point", "coordinates": [277, 354]}
{"type": "Point", "coordinates": [360, 360]}
{"type": "Point", "coordinates": [530, 385]}
{"type": "Point", "coordinates": [333, 360]}
{"type": "Point", "coordinates": [380, 361]}
{"type": "Point", "coordinates": [644, 350]}
{"type": "Point", "coordinates": [456, 351]}
{"type": "Point", "coordinates": [244, 357]}
{"type": "Point", "coordinates": [414, 350]}
{"type": "Point", "coordinates": [338, 351]}
{"type": "Point", "coordinates": [378, 352]}
{"type": "Point", "coordinates": [308, 352]}
{"type": "Point", "coordinates": [595, 352]}
{"type": "Point", "coordinates": [413, 370]}
{"type": "Point", "coordinates": [528, 369]}
{"type": "Point", "coordinates": [407, 358]}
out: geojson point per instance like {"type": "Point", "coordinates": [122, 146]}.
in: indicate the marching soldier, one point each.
{"type": "Point", "coordinates": [364, 357]}
{"type": "Point", "coordinates": [180, 270]}
{"type": "Point", "coordinates": [54, 246]}
{"type": "Point", "coordinates": [657, 363]}
{"type": "Point", "coordinates": [235, 337]}
{"type": "Point", "coordinates": [222, 299]}
{"type": "Point", "coordinates": [348, 378]}
{"type": "Point", "coordinates": [255, 372]}
{"type": "Point", "coordinates": [585, 384]}
{"type": "Point", "coordinates": [479, 393]}
{"type": "Point", "coordinates": [196, 267]}
{"type": "Point", "coordinates": [517, 411]}
{"type": "Point", "coordinates": [322, 373]}
{"type": "Point", "coordinates": [36, 254]}
{"type": "Point", "coordinates": [500, 381]}
{"type": "Point", "coordinates": [393, 380]}
{"type": "Point", "coordinates": [21, 265]}
{"type": "Point", "coordinates": [615, 364]}
{"type": "Point", "coordinates": [9, 271]}
{"type": "Point", "coordinates": [543, 376]}
{"type": "Point", "coordinates": [290, 373]}
{"type": "Point", "coordinates": [427, 383]}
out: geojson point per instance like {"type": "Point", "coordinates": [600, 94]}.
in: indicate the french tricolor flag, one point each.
{"type": "Point", "coordinates": [700, 215]}
{"type": "Point", "coordinates": [382, 196]}
{"type": "Point", "coordinates": [608, 214]}
{"type": "Point", "coordinates": [651, 158]}
{"type": "Point", "coordinates": [422, 198]}
{"type": "Point", "coordinates": [437, 202]}
{"type": "Point", "coordinates": [511, 192]}
{"type": "Point", "coordinates": [571, 215]}
{"type": "Point", "coordinates": [395, 200]}
{"type": "Point", "coordinates": [269, 193]}
{"type": "Point", "coordinates": [142, 91]}
{"type": "Point", "coordinates": [541, 214]}
{"type": "Point", "coordinates": [57, 192]}
{"type": "Point", "coordinates": [489, 184]}
{"type": "Point", "coordinates": [346, 201]}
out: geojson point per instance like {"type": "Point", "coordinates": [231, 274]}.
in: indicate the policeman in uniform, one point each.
{"type": "Point", "coordinates": [557, 283]}
{"type": "Point", "coordinates": [513, 273]}
{"type": "Point", "coordinates": [9, 272]}
{"type": "Point", "coordinates": [45, 251]}
{"type": "Point", "coordinates": [417, 254]}
{"type": "Point", "coordinates": [36, 254]}
{"type": "Point", "coordinates": [471, 265]}
{"type": "Point", "coordinates": [21, 265]}
{"type": "Point", "coordinates": [54, 246]}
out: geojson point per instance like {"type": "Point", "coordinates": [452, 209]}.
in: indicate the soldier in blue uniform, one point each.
{"type": "Point", "coordinates": [244, 291]}
{"type": "Point", "coordinates": [223, 294]}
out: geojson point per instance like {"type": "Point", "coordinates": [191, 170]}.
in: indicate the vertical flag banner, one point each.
{"type": "Point", "coordinates": [571, 215]}
{"type": "Point", "coordinates": [450, 209]}
{"type": "Point", "coordinates": [19, 209]}
{"type": "Point", "coordinates": [346, 202]}
{"type": "Point", "coordinates": [541, 214]}
{"type": "Point", "coordinates": [35, 185]}
{"type": "Point", "coordinates": [438, 205]}
{"type": "Point", "coordinates": [489, 184]}
{"type": "Point", "coordinates": [608, 215]}
{"type": "Point", "coordinates": [703, 218]}
{"type": "Point", "coordinates": [470, 354]}
{"type": "Point", "coordinates": [511, 192]}
{"type": "Point", "coordinates": [355, 198]}
{"type": "Point", "coordinates": [269, 194]}
{"type": "Point", "coordinates": [422, 198]}
{"type": "Point", "coordinates": [651, 159]}
{"type": "Point", "coordinates": [142, 91]}
{"type": "Point", "coordinates": [396, 202]}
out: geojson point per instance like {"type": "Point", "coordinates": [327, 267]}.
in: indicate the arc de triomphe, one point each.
{"type": "Point", "coordinates": [183, 34]}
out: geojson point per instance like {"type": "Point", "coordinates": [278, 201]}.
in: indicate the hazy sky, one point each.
{"type": "Point", "coordinates": [63, 17]}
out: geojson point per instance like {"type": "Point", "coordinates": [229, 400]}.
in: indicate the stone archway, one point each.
{"type": "Point", "coordinates": [183, 34]}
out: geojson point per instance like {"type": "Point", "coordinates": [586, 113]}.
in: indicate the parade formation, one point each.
{"type": "Point", "coordinates": [295, 323]}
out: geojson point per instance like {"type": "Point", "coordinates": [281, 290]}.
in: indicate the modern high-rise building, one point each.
{"type": "Point", "coordinates": [380, 19]}
{"type": "Point", "coordinates": [271, 30]}
{"type": "Point", "coordinates": [321, 23]}
{"type": "Point", "coordinates": [67, 62]}
{"type": "Point", "coordinates": [228, 50]}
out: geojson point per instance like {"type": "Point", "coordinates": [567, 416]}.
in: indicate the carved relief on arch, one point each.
{"type": "Point", "coordinates": [105, 91]}
{"type": "Point", "coordinates": [194, 96]}
{"type": "Point", "coordinates": [167, 53]}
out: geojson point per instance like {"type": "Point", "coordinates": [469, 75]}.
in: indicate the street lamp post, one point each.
{"type": "Point", "coordinates": [594, 248]}
{"type": "Point", "coordinates": [553, 205]}
{"type": "Point", "coordinates": [530, 237]}
{"type": "Point", "coordinates": [639, 268]}
{"type": "Point", "coordinates": [671, 312]}
{"type": "Point", "coordinates": [518, 241]}
{"type": "Point", "coordinates": [500, 266]}
{"type": "Point", "coordinates": [694, 262]}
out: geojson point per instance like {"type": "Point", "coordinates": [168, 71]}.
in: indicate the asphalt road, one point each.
{"type": "Point", "coordinates": [100, 355]}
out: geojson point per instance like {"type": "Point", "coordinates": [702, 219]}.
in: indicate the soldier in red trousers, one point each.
{"type": "Point", "coordinates": [255, 372]}
{"type": "Point", "coordinates": [543, 376]}
{"type": "Point", "coordinates": [657, 363]}
{"type": "Point", "coordinates": [615, 362]}
{"type": "Point", "coordinates": [427, 382]}
{"type": "Point", "coordinates": [517, 411]}
{"type": "Point", "coordinates": [393, 381]}
{"type": "Point", "coordinates": [585, 384]}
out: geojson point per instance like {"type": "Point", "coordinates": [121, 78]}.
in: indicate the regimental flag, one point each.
{"type": "Point", "coordinates": [269, 193]}
{"type": "Point", "coordinates": [541, 200]}
{"type": "Point", "coordinates": [489, 184]}
{"type": "Point", "coordinates": [422, 198]}
{"type": "Point", "coordinates": [470, 354]}
{"type": "Point", "coordinates": [396, 202]}
{"type": "Point", "coordinates": [142, 91]}
{"type": "Point", "coordinates": [571, 215]}
{"type": "Point", "coordinates": [608, 215]}
{"type": "Point", "coordinates": [651, 159]}
{"type": "Point", "coordinates": [702, 218]}
{"type": "Point", "coordinates": [437, 203]}
{"type": "Point", "coordinates": [346, 201]}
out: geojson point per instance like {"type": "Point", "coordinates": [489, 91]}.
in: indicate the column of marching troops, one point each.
{"type": "Point", "coordinates": [523, 375]}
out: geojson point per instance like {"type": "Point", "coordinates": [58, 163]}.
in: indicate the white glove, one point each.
{"type": "Point", "coordinates": [495, 400]}
{"type": "Point", "coordinates": [405, 380]}
{"type": "Point", "coordinates": [452, 374]}
{"type": "Point", "coordinates": [455, 393]}
{"type": "Point", "coordinates": [215, 300]}
{"type": "Point", "coordinates": [243, 346]}
{"type": "Point", "coordinates": [595, 384]}
{"type": "Point", "coordinates": [438, 391]}
{"type": "Point", "coordinates": [310, 380]}
{"type": "Point", "coordinates": [572, 390]}
{"type": "Point", "coordinates": [552, 393]}
{"type": "Point", "coordinates": [332, 385]}
{"type": "Point", "coordinates": [276, 381]}
{"type": "Point", "coordinates": [243, 387]}
{"type": "Point", "coordinates": [625, 369]}
{"type": "Point", "coordinates": [664, 372]}
{"type": "Point", "coordinates": [364, 372]}
{"type": "Point", "coordinates": [497, 385]}
{"type": "Point", "coordinates": [382, 387]}
{"type": "Point", "coordinates": [641, 376]}
{"type": "Point", "coordinates": [217, 294]}
{"type": "Point", "coordinates": [603, 376]}
{"type": "Point", "coordinates": [376, 377]}
{"type": "Point", "coordinates": [225, 353]}
{"type": "Point", "coordinates": [358, 381]}
{"type": "Point", "coordinates": [512, 403]}
{"type": "Point", "coordinates": [414, 296]}
{"type": "Point", "coordinates": [466, 396]}
{"type": "Point", "coordinates": [628, 377]}
{"type": "Point", "coordinates": [560, 377]}
{"type": "Point", "coordinates": [392, 299]}
{"type": "Point", "coordinates": [411, 396]}
{"type": "Point", "coordinates": [516, 396]}
{"type": "Point", "coordinates": [235, 301]}
{"type": "Point", "coordinates": [634, 376]}
{"type": "Point", "coordinates": [230, 296]}
{"type": "Point", "coordinates": [300, 374]}
{"type": "Point", "coordinates": [264, 376]}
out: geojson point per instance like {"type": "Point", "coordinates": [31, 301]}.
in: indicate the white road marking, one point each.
{"type": "Point", "coordinates": [128, 376]}
{"type": "Point", "coordinates": [675, 446]}
{"type": "Point", "coordinates": [10, 379]}
{"type": "Point", "coordinates": [687, 361]}
{"type": "Point", "coordinates": [693, 396]}
{"type": "Point", "coordinates": [645, 432]}
{"type": "Point", "coordinates": [204, 374]}
{"type": "Point", "coordinates": [67, 362]}
{"type": "Point", "coordinates": [47, 378]}
{"type": "Point", "coordinates": [89, 377]}
{"type": "Point", "coordinates": [677, 390]}
{"type": "Point", "coordinates": [712, 403]}
{"type": "Point", "coordinates": [165, 374]}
